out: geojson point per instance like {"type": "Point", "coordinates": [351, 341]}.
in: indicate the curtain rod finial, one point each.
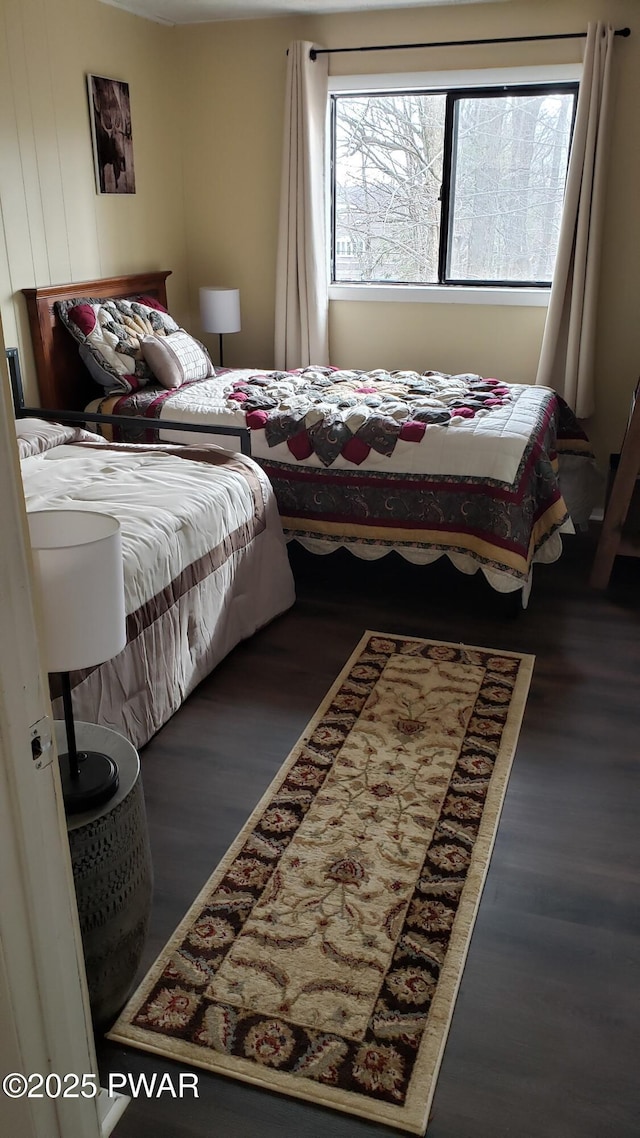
{"type": "Point", "coordinates": [313, 54]}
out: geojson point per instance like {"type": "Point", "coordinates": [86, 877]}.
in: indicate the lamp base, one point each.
{"type": "Point", "coordinates": [96, 782]}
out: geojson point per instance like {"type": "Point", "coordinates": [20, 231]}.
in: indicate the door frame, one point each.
{"type": "Point", "coordinates": [43, 989]}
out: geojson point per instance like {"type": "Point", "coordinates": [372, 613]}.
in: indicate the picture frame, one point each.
{"type": "Point", "coordinates": [111, 135]}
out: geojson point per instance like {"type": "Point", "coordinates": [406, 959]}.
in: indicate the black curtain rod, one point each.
{"type": "Point", "coordinates": [315, 52]}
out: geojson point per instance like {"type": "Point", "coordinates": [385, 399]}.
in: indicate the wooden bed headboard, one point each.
{"type": "Point", "coordinates": [63, 380]}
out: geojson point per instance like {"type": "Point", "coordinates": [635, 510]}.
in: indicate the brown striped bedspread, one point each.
{"type": "Point", "coordinates": [204, 556]}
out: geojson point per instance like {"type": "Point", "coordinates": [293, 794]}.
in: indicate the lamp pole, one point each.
{"type": "Point", "coordinates": [72, 749]}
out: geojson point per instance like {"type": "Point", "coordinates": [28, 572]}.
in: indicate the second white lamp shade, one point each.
{"type": "Point", "coordinates": [77, 557]}
{"type": "Point", "coordinates": [220, 309]}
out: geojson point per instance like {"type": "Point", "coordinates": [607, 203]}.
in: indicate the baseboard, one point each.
{"type": "Point", "coordinates": [110, 1110]}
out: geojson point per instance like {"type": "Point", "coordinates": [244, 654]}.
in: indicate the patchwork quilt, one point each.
{"type": "Point", "coordinates": [328, 412]}
{"type": "Point", "coordinates": [331, 412]}
{"type": "Point", "coordinates": [425, 464]}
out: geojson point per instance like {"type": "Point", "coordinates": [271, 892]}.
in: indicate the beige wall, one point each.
{"type": "Point", "coordinates": [210, 97]}
{"type": "Point", "coordinates": [497, 341]}
{"type": "Point", "coordinates": [55, 227]}
{"type": "Point", "coordinates": [232, 97]}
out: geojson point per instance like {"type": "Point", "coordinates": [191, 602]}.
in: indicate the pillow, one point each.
{"type": "Point", "coordinates": [35, 436]}
{"type": "Point", "coordinates": [176, 359]}
{"type": "Point", "coordinates": [109, 334]}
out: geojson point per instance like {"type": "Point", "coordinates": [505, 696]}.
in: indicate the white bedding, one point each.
{"type": "Point", "coordinates": [489, 446]}
{"type": "Point", "coordinates": [170, 511]}
{"type": "Point", "coordinates": [205, 566]}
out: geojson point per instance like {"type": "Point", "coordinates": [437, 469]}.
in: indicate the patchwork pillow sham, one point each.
{"type": "Point", "coordinates": [109, 333]}
{"type": "Point", "coordinates": [176, 358]}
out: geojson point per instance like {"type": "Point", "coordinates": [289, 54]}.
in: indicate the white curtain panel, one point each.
{"type": "Point", "coordinates": [568, 345]}
{"type": "Point", "coordinates": [302, 304]}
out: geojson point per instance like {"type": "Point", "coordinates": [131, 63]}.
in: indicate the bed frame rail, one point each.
{"type": "Point", "coordinates": [82, 418]}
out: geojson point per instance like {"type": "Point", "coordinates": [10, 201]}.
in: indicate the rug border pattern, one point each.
{"type": "Point", "coordinates": [413, 1115]}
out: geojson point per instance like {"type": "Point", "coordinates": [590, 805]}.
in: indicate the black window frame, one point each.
{"type": "Point", "coordinates": [453, 97]}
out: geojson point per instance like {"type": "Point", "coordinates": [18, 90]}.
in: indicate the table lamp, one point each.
{"type": "Point", "coordinates": [77, 558]}
{"type": "Point", "coordinates": [220, 311]}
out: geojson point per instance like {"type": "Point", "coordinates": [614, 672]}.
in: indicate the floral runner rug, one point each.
{"type": "Point", "coordinates": [323, 957]}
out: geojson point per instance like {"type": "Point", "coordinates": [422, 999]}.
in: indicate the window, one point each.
{"type": "Point", "coordinates": [449, 187]}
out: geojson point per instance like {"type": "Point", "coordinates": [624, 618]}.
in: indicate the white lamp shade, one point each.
{"type": "Point", "coordinates": [220, 309]}
{"type": "Point", "coordinates": [77, 556]}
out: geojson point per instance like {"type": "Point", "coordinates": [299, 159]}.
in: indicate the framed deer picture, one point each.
{"type": "Point", "coordinates": [110, 115]}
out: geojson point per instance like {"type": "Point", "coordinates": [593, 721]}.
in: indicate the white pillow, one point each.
{"type": "Point", "coordinates": [176, 359]}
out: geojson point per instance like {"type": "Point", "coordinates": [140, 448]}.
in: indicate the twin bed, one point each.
{"type": "Point", "coordinates": [486, 473]}
{"type": "Point", "coordinates": [204, 557]}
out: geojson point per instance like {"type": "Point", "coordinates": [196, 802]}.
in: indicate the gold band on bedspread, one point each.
{"type": "Point", "coordinates": [486, 551]}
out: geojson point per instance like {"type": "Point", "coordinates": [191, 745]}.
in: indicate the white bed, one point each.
{"type": "Point", "coordinates": [204, 555]}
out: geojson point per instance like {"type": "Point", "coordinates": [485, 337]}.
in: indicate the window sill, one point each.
{"type": "Point", "coordinates": [437, 294]}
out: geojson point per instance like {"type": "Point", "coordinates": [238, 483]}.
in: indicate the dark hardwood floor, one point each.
{"type": "Point", "coordinates": [544, 1041]}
